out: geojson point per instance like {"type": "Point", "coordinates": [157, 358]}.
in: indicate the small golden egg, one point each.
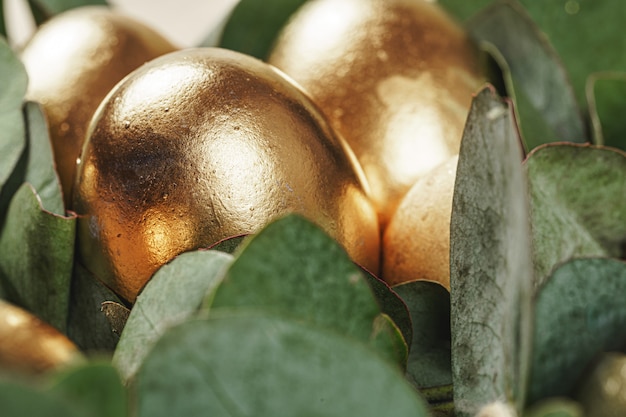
{"type": "Point", "coordinates": [416, 243]}
{"type": "Point", "coordinates": [394, 77]}
{"type": "Point", "coordinates": [72, 61]}
{"type": "Point", "coordinates": [203, 144]}
{"type": "Point", "coordinates": [28, 345]}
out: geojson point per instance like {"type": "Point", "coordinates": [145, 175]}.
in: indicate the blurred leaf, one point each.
{"type": "Point", "coordinates": [253, 25]}
{"type": "Point", "coordinates": [555, 407]}
{"type": "Point", "coordinates": [387, 338]}
{"type": "Point", "coordinates": [260, 365]}
{"type": "Point", "coordinates": [490, 262]}
{"type": "Point", "coordinates": [116, 314]}
{"type": "Point", "coordinates": [13, 83]}
{"type": "Point", "coordinates": [463, 9]}
{"type": "Point", "coordinates": [88, 326]}
{"type": "Point", "coordinates": [295, 269]}
{"type": "Point", "coordinates": [579, 313]}
{"type": "Point", "coordinates": [429, 363]}
{"type": "Point", "coordinates": [49, 8]}
{"type": "Point", "coordinates": [605, 95]}
{"type": "Point", "coordinates": [173, 294]}
{"type": "Point", "coordinates": [36, 257]}
{"type": "Point", "coordinates": [391, 304]}
{"type": "Point", "coordinates": [578, 200]}
{"type": "Point", "coordinates": [603, 390]}
{"type": "Point", "coordinates": [536, 72]}
{"type": "Point", "coordinates": [95, 389]}
{"type": "Point", "coordinates": [3, 27]}
{"type": "Point", "coordinates": [228, 245]}
{"type": "Point", "coordinates": [21, 401]}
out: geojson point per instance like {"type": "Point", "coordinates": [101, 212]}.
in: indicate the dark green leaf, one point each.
{"type": "Point", "coordinates": [173, 294]}
{"type": "Point", "coordinates": [490, 262]}
{"type": "Point", "coordinates": [578, 196]}
{"type": "Point", "coordinates": [116, 314]}
{"type": "Point", "coordinates": [387, 338]}
{"type": "Point", "coordinates": [463, 9]}
{"type": "Point", "coordinates": [556, 407]}
{"type": "Point", "coordinates": [268, 366]}
{"type": "Point", "coordinates": [229, 245]}
{"type": "Point", "coordinates": [606, 94]}
{"type": "Point", "coordinates": [579, 313]}
{"type": "Point", "coordinates": [254, 25]}
{"type": "Point", "coordinates": [3, 27]}
{"type": "Point", "coordinates": [21, 401]}
{"type": "Point", "coordinates": [536, 71]}
{"type": "Point", "coordinates": [429, 363]}
{"type": "Point", "coordinates": [13, 83]}
{"type": "Point", "coordinates": [295, 269]}
{"type": "Point", "coordinates": [49, 8]}
{"type": "Point", "coordinates": [94, 389]}
{"type": "Point", "coordinates": [88, 326]}
{"type": "Point", "coordinates": [36, 257]}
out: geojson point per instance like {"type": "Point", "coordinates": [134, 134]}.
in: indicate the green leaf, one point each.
{"type": "Point", "coordinates": [229, 245]}
{"type": "Point", "coordinates": [578, 195]}
{"type": "Point", "coordinates": [261, 365]}
{"type": "Point", "coordinates": [174, 293]}
{"type": "Point", "coordinates": [20, 401]}
{"type": "Point", "coordinates": [49, 8]}
{"type": "Point", "coordinates": [535, 69]}
{"type": "Point", "coordinates": [605, 95]}
{"type": "Point", "coordinates": [95, 389]}
{"type": "Point", "coordinates": [13, 85]}
{"type": "Point", "coordinates": [88, 326]}
{"type": "Point", "coordinates": [463, 9]}
{"type": "Point", "coordinates": [3, 27]}
{"type": "Point", "coordinates": [556, 407]}
{"type": "Point", "coordinates": [253, 25]}
{"type": "Point", "coordinates": [295, 269]}
{"type": "Point", "coordinates": [429, 363]}
{"type": "Point", "coordinates": [579, 313]}
{"type": "Point", "coordinates": [36, 257]}
{"type": "Point", "coordinates": [490, 262]}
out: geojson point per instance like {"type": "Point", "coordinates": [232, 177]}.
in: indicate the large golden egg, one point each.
{"type": "Point", "coordinates": [28, 345]}
{"type": "Point", "coordinates": [394, 77]}
{"type": "Point", "coordinates": [72, 61]}
{"type": "Point", "coordinates": [203, 144]}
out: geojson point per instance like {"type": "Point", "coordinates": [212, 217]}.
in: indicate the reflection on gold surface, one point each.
{"type": "Point", "coordinates": [397, 83]}
{"type": "Point", "coordinates": [205, 144]}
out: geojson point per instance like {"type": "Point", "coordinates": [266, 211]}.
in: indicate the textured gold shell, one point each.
{"type": "Point", "coordinates": [203, 144]}
{"type": "Point", "coordinates": [29, 345]}
{"type": "Point", "coordinates": [394, 77]}
{"type": "Point", "coordinates": [73, 61]}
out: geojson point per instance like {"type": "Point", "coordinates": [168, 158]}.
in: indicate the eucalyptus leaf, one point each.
{"type": "Point", "coordinates": [387, 338]}
{"type": "Point", "coordinates": [579, 313]}
{"type": "Point", "coordinates": [88, 326]}
{"type": "Point", "coordinates": [293, 268]}
{"type": "Point", "coordinates": [3, 26]}
{"type": "Point", "coordinates": [13, 83]}
{"type": "Point", "coordinates": [535, 68]}
{"type": "Point", "coordinates": [268, 366]}
{"type": "Point", "coordinates": [51, 7]}
{"type": "Point", "coordinates": [116, 314]}
{"type": "Point", "coordinates": [228, 245]}
{"type": "Point", "coordinates": [578, 204]}
{"type": "Point", "coordinates": [36, 257]}
{"type": "Point", "coordinates": [490, 262]}
{"type": "Point", "coordinates": [606, 94]}
{"type": "Point", "coordinates": [463, 9]}
{"type": "Point", "coordinates": [174, 293]}
{"type": "Point", "coordinates": [429, 363]}
{"type": "Point", "coordinates": [556, 407]}
{"type": "Point", "coordinates": [94, 389]}
{"type": "Point", "coordinates": [20, 400]}
{"type": "Point", "coordinates": [254, 25]}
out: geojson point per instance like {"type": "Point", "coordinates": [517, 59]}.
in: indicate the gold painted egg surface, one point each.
{"type": "Point", "coordinates": [204, 144]}
{"type": "Point", "coordinates": [394, 77]}
{"type": "Point", "coordinates": [72, 61]}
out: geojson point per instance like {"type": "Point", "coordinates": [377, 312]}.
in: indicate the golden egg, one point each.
{"type": "Point", "coordinates": [416, 243]}
{"type": "Point", "coordinates": [72, 61]}
{"type": "Point", "coordinates": [203, 144]}
{"type": "Point", "coordinates": [28, 345]}
{"type": "Point", "coordinates": [394, 77]}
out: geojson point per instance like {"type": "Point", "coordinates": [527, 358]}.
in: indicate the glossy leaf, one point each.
{"type": "Point", "coordinates": [94, 389]}
{"type": "Point", "coordinates": [490, 262]}
{"type": "Point", "coordinates": [261, 365]}
{"type": "Point", "coordinates": [173, 294]}
{"type": "Point", "coordinates": [579, 313]}
{"type": "Point", "coordinates": [36, 257]}
{"type": "Point", "coordinates": [13, 84]}
{"type": "Point", "coordinates": [578, 196]}
{"type": "Point", "coordinates": [605, 95]}
{"type": "Point", "coordinates": [19, 401]}
{"type": "Point", "coordinates": [253, 25]}
{"type": "Point", "coordinates": [429, 363]}
{"type": "Point", "coordinates": [536, 72]}
{"type": "Point", "coordinates": [88, 326]}
{"type": "Point", "coordinates": [295, 269]}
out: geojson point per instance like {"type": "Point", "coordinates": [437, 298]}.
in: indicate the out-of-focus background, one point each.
{"type": "Point", "coordinates": [183, 22]}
